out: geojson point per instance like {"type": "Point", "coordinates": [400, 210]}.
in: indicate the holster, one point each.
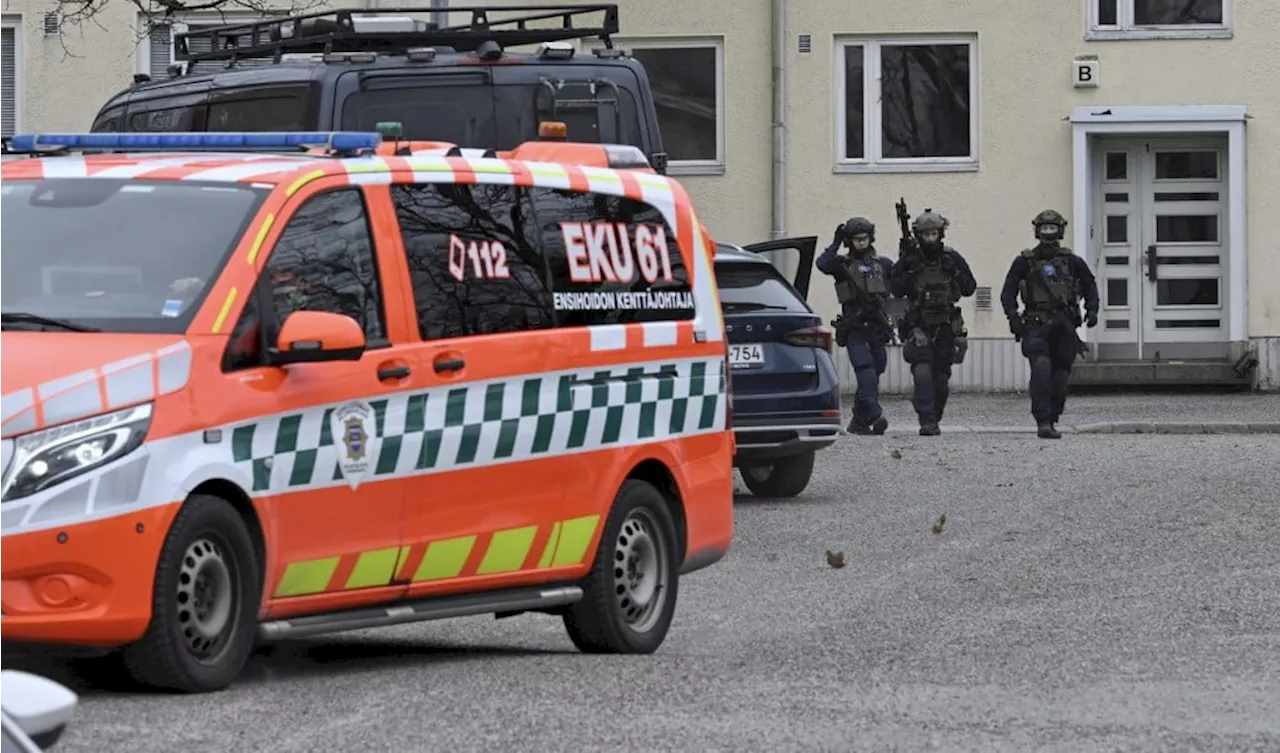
{"type": "Point", "coordinates": [842, 334]}
{"type": "Point", "coordinates": [961, 333]}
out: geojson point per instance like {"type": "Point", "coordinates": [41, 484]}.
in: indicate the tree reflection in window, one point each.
{"type": "Point", "coordinates": [925, 101]}
{"type": "Point", "coordinates": [323, 261]}
{"type": "Point", "coordinates": [481, 303]}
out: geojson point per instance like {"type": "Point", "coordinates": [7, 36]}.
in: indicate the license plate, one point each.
{"type": "Point", "coordinates": [742, 356]}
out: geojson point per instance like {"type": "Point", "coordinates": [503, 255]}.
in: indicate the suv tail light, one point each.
{"type": "Point", "coordinates": [810, 337]}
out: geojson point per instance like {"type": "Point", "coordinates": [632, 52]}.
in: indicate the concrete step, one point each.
{"type": "Point", "coordinates": [1159, 373]}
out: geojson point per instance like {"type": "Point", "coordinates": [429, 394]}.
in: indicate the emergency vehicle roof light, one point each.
{"type": "Point", "coordinates": [552, 130]}
{"type": "Point", "coordinates": [626, 156]}
{"type": "Point", "coordinates": [337, 141]}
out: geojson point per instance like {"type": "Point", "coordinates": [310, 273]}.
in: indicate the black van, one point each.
{"type": "Point", "coordinates": [351, 69]}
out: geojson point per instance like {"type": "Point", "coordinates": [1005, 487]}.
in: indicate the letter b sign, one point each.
{"type": "Point", "coordinates": [1085, 73]}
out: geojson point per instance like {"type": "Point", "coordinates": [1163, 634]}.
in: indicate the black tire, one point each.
{"type": "Point", "coordinates": [600, 623]}
{"type": "Point", "coordinates": [787, 477]}
{"type": "Point", "coordinates": [167, 656]}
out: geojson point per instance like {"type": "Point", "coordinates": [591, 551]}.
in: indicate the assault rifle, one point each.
{"type": "Point", "coordinates": [907, 245]}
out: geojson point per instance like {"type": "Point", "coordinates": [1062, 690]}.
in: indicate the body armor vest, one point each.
{"type": "Point", "coordinates": [935, 294]}
{"type": "Point", "coordinates": [868, 278]}
{"type": "Point", "coordinates": [1051, 283]}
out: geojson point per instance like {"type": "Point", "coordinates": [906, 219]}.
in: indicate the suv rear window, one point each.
{"type": "Point", "coordinates": [746, 286]}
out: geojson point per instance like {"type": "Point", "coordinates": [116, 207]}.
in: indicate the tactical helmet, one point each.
{"type": "Point", "coordinates": [1049, 217]}
{"type": "Point", "coordinates": [930, 220]}
{"type": "Point", "coordinates": [858, 226]}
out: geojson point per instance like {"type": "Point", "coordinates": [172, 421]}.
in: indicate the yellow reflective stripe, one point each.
{"type": "Point", "coordinates": [575, 537]}
{"type": "Point", "coordinates": [262, 236]}
{"type": "Point", "coordinates": [374, 568]}
{"type": "Point", "coordinates": [445, 558]}
{"type": "Point", "coordinates": [304, 180]}
{"type": "Point", "coordinates": [550, 548]}
{"type": "Point", "coordinates": [400, 560]}
{"type": "Point", "coordinates": [490, 167]}
{"type": "Point", "coordinates": [507, 550]}
{"type": "Point", "coordinates": [226, 309]}
{"type": "Point", "coordinates": [306, 577]}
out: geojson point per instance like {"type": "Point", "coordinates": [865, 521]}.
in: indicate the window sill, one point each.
{"type": "Point", "coordinates": [1105, 35]}
{"type": "Point", "coordinates": [844, 168]}
{"type": "Point", "coordinates": [694, 168]}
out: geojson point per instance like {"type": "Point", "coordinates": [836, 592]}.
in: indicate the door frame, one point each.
{"type": "Point", "coordinates": [1139, 340]}
{"type": "Point", "coordinates": [1091, 122]}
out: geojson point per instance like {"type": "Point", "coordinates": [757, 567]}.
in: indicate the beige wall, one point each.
{"type": "Point", "coordinates": [1025, 51]}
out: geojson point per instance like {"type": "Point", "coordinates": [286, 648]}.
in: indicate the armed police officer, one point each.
{"type": "Point", "coordinates": [1051, 280]}
{"type": "Point", "coordinates": [933, 277]}
{"type": "Point", "coordinates": [863, 328]}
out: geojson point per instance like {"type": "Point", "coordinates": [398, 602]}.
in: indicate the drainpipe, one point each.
{"type": "Point", "coordinates": [440, 13]}
{"type": "Point", "coordinates": [779, 183]}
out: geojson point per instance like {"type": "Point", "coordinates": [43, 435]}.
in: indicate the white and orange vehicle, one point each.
{"type": "Point", "coordinates": [251, 392]}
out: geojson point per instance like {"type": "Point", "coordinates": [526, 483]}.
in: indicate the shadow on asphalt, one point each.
{"type": "Point", "coordinates": [748, 499]}
{"type": "Point", "coordinates": [296, 659]}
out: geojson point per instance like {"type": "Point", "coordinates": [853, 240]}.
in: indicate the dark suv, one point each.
{"type": "Point", "coordinates": [786, 392]}
{"type": "Point", "coordinates": [352, 69]}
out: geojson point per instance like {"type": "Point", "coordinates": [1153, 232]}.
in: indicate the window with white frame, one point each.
{"type": "Point", "coordinates": [907, 103]}
{"type": "Point", "coordinates": [10, 75]}
{"type": "Point", "coordinates": [1145, 19]}
{"type": "Point", "coordinates": [687, 80]}
{"type": "Point", "coordinates": [158, 50]}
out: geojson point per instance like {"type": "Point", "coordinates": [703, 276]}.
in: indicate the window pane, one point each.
{"type": "Point", "coordinates": [1106, 12]}
{"type": "Point", "coordinates": [1186, 166]}
{"type": "Point", "coordinates": [683, 80]}
{"type": "Point", "coordinates": [1117, 292]}
{"type": "Point", "coordinates": [118, 254]}
{"type": "Point", "coordinates": [1117, 165]}
{"type": "Point", "coordinates": [1176, 12]}
{"type": "Point", "coordinates": [612, 260]}
{"type": "Point", "coordinates": [1201, 292]}
{"type": "Point", "coordinates": [473, 259]}
{"type": "Point", "coordinates": [1117, 229]}
{"type": "Point", "coordinates": [265, 113]}
{"type": "Point", "coordinates": [854, 93]}
{"type": "Point", "coordinates": [1117, 324]}
{"type": "Point", "coordinates": [1189, 228]}
{"type": "Point", "coordinates": [925, 100]}
{"type": "Point", "coordinates": [746, 285]}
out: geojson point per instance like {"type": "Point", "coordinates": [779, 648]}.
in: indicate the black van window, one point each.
{"type": "Point", "coordinates": [262, 110]}
{"type": "Point", "coordinates": [108, 121]}
{"type": "Point", "coordinates": [461, 113]}
{"type": "Point", "coordinates": [613, 260]}
{"type": "Point", "coordinates": [182, 118]}
{"type": "Point", "coordinates": [473, 259]}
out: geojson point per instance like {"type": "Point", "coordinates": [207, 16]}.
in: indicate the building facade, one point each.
{"type": "Point", "coordinates": [1148, 123]}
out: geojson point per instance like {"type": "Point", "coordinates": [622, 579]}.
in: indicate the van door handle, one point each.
{"type": "Point", "coordinates": [448, 364]}
{"type": "Point", "coordinates": [1153, 273]}
{"type": "Point", "coordinates": [393, 372]}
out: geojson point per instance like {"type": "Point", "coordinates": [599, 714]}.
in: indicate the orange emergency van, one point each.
{"type": "Point", "coordinates": [251, 391]}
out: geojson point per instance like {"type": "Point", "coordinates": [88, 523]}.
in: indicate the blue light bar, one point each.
{"type": "Point", "coordinates": [340, 141]}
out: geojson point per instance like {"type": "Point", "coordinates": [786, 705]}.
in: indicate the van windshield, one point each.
{"type": "Point", "coordinates": [115, 255]}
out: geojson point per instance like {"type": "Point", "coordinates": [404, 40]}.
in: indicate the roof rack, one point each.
{"type": "Point", "coordinates": [340, 31]}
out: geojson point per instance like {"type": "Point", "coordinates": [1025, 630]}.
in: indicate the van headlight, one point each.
{"type": "Point", "coordinates": [51, 456]}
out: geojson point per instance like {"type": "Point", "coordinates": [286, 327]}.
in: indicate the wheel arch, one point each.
{"type": "Point", "coordinates": [659, 474]}
{"type": "Point", "coordinates": [239, 499]}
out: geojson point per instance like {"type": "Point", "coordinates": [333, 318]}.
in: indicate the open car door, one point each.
{"type": "Point", "coordinates": [804, 248]}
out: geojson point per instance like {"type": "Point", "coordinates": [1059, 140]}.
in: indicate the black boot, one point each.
{"type": "Point", "coordinates": [929, 427]}
{"type": "Point", "coordinates": [879, 425]}
{"type": "Point", "coordinates": [1045, 430]}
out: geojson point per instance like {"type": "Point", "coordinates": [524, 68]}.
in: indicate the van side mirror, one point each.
{"type": "Point", "coordinates": [310, 336]}
{"type": "Point", "coordinates": [39, 706]}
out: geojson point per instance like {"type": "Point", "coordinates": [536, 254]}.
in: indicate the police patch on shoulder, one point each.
{"type": "Point", "coordinates": [355, 432]}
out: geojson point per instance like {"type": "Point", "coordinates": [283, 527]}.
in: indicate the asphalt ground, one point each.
{"type": "Point", "coordinates": [1097, 593]}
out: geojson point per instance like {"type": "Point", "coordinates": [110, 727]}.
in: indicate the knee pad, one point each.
{"type": "Point", "coordinates": [922, 371]}
{"type": "Point", "coordinates": [1041, 366]}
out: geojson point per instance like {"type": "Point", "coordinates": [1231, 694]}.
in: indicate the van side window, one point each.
{"type": "Point", "coordinates": [473, 259]}
{"type": "Point", "coordinates": [108, 121]}
{"type": "Point", "coordinates": [274, 109]}
{"type": "Point", "coordinates": [323, 262]}
{"type": "Point", "coordinates": [184, 118]}
{"type": "Point", "coordinates": [613, 260]}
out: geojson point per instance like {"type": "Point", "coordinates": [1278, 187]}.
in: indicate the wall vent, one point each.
{"type": "Point", "coordinates": [982, 299]}
{"type": "Point", "coordinates": [804, 44]}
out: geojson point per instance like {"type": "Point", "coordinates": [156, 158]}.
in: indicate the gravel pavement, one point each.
{"type": "Point", "coordinates": [1099, 593]}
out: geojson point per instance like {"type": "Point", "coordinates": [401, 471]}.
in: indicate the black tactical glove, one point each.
{"type": "Point", "coordinates": [1091, 318]}
{"type": "Point", "coordinates": [948, 264]}
{"type": "Point", "coordinates": [1016, 327]}
{"type": "Point", "coordinates": [838, 237]}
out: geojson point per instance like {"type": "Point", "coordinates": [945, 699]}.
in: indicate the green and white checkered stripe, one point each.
{"type": "Point", "coordinates": [490, 422]}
